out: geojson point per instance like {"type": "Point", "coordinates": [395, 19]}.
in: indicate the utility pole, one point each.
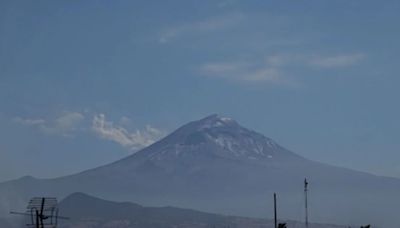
{"type": "Point", "coordinates": [305, 198]}
{"type": "Point", "coordinates": [275, 216]}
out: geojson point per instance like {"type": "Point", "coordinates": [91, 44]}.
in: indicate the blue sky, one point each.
{"type": "Point", "coordinates": [83, 83]}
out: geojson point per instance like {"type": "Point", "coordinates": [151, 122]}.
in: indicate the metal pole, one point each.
{"type": "Point", "coordinates": [275, 216]}
{"type": "Point", "coordinates": [37, 219]}
{"type": "Point", "coordinates": [305, 198]}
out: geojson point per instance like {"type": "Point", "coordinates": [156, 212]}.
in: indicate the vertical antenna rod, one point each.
{"type": "Point", "coordinates": [275, 216]}
{"type": "Point", "coordinates": [305, 198]}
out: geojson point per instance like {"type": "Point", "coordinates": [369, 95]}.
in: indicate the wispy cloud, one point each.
{"type": "Point", "coordinates": [198, 27]}
{"type": "Point", "coordinates": [68, 121]}
{"type": "Point", "coordinates": [251, 72]}
{"type": "Point", "coordinates": [337, 61]}
{"type": "Point", "coordinates": [225, 3]}
{"type": "Point", "coordinates": [64, 124]}
{"type": "Point", "coordinates": [244, 71]}
{"type": "Point", "coordinates": [132, 140]}
{"type": "Point", "coordinates": [276, 69]}
{"type": "Point", "coordinates": [29, 122]}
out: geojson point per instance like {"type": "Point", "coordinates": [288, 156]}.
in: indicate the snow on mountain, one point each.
{"type": "Point", "coordinates": [220, 136]}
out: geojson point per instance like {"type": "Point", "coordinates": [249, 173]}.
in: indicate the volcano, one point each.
{"type": "Point", "coordinates": [216, 165]}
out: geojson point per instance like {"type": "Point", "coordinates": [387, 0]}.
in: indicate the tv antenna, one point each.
{"type": "Point", "coordinates": [43, 213]}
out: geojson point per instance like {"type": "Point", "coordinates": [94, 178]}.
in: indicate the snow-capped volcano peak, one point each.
{"type": "Point", "coordinates": [217, 136]}
{"type": "Point", "coordinates": [216, 120]}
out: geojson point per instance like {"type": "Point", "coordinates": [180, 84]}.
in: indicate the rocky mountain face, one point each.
{"type": "Point", "coordinates": [216, 165]}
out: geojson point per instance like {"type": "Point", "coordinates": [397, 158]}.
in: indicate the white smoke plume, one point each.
{"type": "Point", "coordinates": [132, 140]}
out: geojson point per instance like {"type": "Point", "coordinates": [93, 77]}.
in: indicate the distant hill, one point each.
{"type": "Point", "coordinates": [80, 206]}
{"type": "Point", "coordinates": [87, 211]}
{"type": "Point", "coordinates": [218, 166]}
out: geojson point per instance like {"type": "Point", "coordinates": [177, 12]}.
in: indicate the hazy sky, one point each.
{"type": "Point", "coordinates": [83, 83]}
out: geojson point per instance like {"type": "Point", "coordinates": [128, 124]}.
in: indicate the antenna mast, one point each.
{"type": "Point", "coordinates": [305, 198]}
{"type": "Point", "coordinates": [275, 216]}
